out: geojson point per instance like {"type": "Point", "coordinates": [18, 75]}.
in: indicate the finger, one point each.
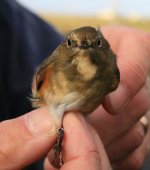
{"type": "Point", "coordinates": [136, 159]}
{"type": "Point", "coordinates": [110, 127]}
{"type": "Point", "coordinates": [82, 148]}
{"type": "Point", "coordinates": [137, 108]}
{"type": "Point", "coordinates": [26, 139]}
{"type": "Point", "coordinates": [134, 64]}
{"type": "Point", "coordinates": [125, 144]}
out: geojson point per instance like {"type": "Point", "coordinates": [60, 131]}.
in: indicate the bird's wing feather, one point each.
{"type": "Point", "coordinates": [41, 81]}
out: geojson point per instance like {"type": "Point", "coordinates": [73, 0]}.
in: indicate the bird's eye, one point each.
{"type": "Point", "coordinates": [71, 43]}
{"type": "Point", "coordinates": [68, 42]}
{"type": "Point", "coordinates": [99, 43]}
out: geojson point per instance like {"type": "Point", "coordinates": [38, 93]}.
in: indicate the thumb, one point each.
{"type": "Point", "coordinates": [26, 139]}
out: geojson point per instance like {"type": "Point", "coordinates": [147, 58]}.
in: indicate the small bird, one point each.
{"type": "Point", "coordinates": [77, 75]}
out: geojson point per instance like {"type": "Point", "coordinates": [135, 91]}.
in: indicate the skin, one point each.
{"type": "Point", "coordinates": [131, 100]}
{"type": "Point", "coordinates": [123, 136]}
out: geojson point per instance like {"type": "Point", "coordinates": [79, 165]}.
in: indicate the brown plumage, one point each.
{"type": "Point", "coordinates": [77, 75]}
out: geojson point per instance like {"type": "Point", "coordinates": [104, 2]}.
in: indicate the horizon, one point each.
{"type": "Point", "coordinates": [125, 8]}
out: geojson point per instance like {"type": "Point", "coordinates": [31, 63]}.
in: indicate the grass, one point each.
{"type": "Point", "coordinates": [67, 23]}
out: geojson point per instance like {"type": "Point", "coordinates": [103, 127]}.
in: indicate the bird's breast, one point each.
{"type": "Point", "coordinates": [84, 66]}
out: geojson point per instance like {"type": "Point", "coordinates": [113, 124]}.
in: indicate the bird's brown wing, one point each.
{"type": "Point", "coordinates": [41, 81]}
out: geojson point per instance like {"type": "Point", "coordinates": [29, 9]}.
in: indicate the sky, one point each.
{"type": "Point", "coordinates": [90, 7]}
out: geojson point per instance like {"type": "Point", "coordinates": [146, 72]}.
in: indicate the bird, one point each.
{"type": "Point", "coordinates": [79, 73]}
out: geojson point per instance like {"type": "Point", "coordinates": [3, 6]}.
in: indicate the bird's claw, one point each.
{"type": "Point", "coordinates": [57, 160]}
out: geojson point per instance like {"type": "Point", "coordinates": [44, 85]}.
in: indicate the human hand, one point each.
{"type": "Point", "coordinates": [82, 148]}
{"type": "Point", "coordinates": [123, 136]}
{"type": "Point", "coordinates": [26, 139]}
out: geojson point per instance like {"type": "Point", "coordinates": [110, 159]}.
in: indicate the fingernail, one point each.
{"type": "Point", "coordinates": [39, 122]}
{"type": "Point", "coordinates": [119, 98]}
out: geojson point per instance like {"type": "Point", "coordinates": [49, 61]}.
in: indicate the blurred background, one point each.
{"type": "Point", "coordinates": [69, 14]}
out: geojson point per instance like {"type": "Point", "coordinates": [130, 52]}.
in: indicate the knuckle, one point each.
{"type": "Point", "coordinates": [95, 155]}
{"type": "Point", "coordinates": [139, 74]}
{"type": "Point", "coordinates": [138, 135]}
{"type": "Point", "coordinates": [137, 161]}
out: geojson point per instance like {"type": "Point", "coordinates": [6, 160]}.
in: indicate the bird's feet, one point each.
{"type": "Point", "coordinates": [57, 160]}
